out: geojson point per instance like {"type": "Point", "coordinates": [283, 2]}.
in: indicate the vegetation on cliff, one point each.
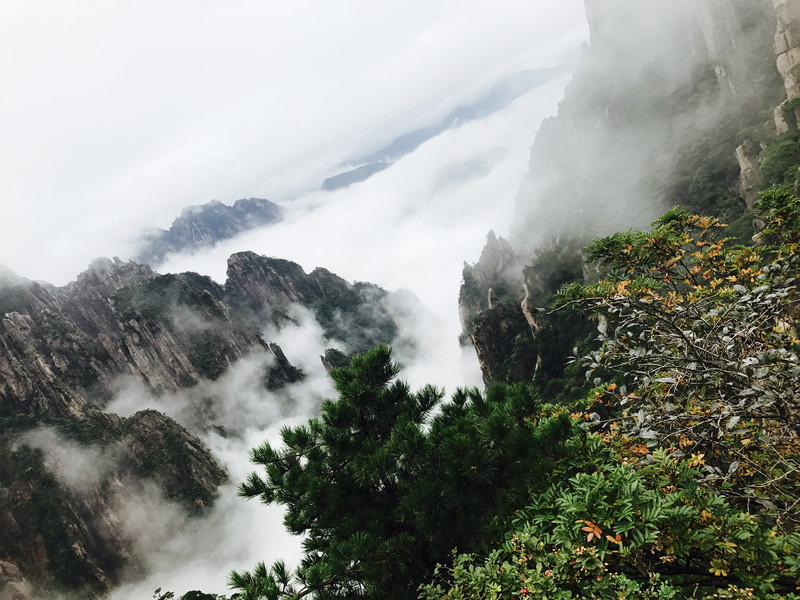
{"type": "Point", "coordinates": [688, 483]}
{"type": "Point", "coordinates": [675, 476]}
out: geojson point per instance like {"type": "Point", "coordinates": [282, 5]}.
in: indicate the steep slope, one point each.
{"type": "Point", "coordinates": [70, 472]}
{"type": "Point", "coordinates": [669, 107]}
{"type": "Point", "coordinates": [205, 225]}
{"type": "Point", "coordinates": [66, 485]}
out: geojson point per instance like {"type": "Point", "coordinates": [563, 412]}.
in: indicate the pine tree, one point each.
{"type": "Point", "coordinates": [382, 491]}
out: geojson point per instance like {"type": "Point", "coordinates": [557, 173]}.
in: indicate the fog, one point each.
{"type": "Point", "coordinates": [175, 551]}
{"type": "Point", "coordinates": [76, 467]}
{"type": "Point", "coordinates": [116, 117]}
{"type": "Point", "coordinates": [411, 227]}
{"type": "Point", "coordinates": [661, 80]}
{"type": "Point", "coordinates": [182, 554]}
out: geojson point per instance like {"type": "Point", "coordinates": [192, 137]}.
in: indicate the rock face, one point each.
{"type": "Point", "coordinates": [62, 350]}
{"type": "Point", "coordinates": [12, 584]}
{"type": "Point", "coordinates": [747, 155]}
{"type": "Point", "coordinates": [508, 336]}
{"type": "Point", "coordinates": [63, 346]}
{"type": "Point", "coordinates": [497, 273]}
{"type": "Point", "coordinates": [63, 487]}
{"type": "Point", "coordinates": [787, 45]}
{"type": "Point", "coordinates": [730, 32]}
{"type": "Point", "coordinates": [651, 118]}
{"type": "Point", "coordinates": [356, 314]}
{"type": "Point", "coordinates": [654, 117]}
{"type": "Point", "coordinates": [205, 225]}
{"type": "Point", "coordinates": [502, 339]}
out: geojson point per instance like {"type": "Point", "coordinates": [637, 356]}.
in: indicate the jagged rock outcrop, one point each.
{"type": "Point", "coordinates": [156, 447]}
{"type": "Point", "coordinates": [510, 337]}
{"type": "Point", "coordinates": [502, 340]}
{"type": "Point", "coordinates": [65, 346]}
{"type": "Point", "coordinates": [355, 314]}
{"type": "Point", "coordinates": [62, 351]}
{"type": "Point", "coordinates": [281, 372]}
{"type": "Point", "coordinates": [787, 45]}
{"type": "Point", "coordinates": [334, 359]}
{"type": "Point", "coordinates": [498, 271]}
{"type": "Point", "coordinates": [747, 155]}
{"type": "Point", "coordinates": [205, 225]}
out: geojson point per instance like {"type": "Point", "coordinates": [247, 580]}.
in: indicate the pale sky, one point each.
{"type": "Point", "coordinates": [115, 115]}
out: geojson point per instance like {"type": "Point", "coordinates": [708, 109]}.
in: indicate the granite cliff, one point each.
{"type": "Point", "coordinates": [63, 352]}
{"type": "Point", "coordinates": [672, 104]}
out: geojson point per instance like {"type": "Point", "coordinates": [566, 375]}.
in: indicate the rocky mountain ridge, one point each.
{"type": "Point", "coordinates": [672, 104]}
{"type": "Point", "coordinates": [62, 352]}
{"type": "Point", "coordinates": [206, 224]}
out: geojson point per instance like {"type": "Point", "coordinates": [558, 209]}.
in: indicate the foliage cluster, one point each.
{"type": "Point", "coordinates": [689, 487]}
{"type": "Point", "coordinates": [619, 532]}
{"type": "Point", "coordinates": [676, 477]}
{"type": "Point", "coordinates": [703, 338]}
{"type": "Point", "coordinates": [381, 492]}
{"type": "Point", "coordinates": [780, 161]}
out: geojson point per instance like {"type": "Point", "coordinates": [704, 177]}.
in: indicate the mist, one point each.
{"type": "Point", "coordinates": [117, 117]}
{"type": "Point", "coordinates": [665, 85]}
{"type": "Point", "coordinates": [232, 415]}
{"type": "Point", "coordinates": [411, 227]}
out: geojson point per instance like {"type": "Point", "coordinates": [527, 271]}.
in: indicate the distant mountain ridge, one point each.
{"type": "Point", "coordinates": [205, 225]}
{"type": "Point", "coordinates": [498, 97]}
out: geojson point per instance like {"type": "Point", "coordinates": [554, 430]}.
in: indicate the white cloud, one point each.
{"type": "Point", "coordinates": [183, 554]}
{"type": "Point", "coordinates": [77, 467]}
{"type": "Point", "coordinates": [411, 226]}
{"type": "Point", "coordinates": [116, 115]}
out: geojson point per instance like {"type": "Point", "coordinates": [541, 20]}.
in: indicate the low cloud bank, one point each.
{"type": "Point", "coordinates": [411, 227]}
{"type": "Point", "coordinates": [105, 136]}
{"type": "Point", "coordinates": [182, 553]}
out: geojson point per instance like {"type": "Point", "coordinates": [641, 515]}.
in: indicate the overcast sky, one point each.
{"type": "Point", "coordinates": [115, 115]}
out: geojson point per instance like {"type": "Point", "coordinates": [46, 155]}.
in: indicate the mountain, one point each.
{"type": "Point", "coordinates": [498, 97]}
{"type": "Point", "coordinates": [691, 102]}
{"type": "Point", "coordinates": [70, 470]}
{"type": "Point", "coordinates": [672, 104]}
{"type": "Point", "coordinates": [205, 225]}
